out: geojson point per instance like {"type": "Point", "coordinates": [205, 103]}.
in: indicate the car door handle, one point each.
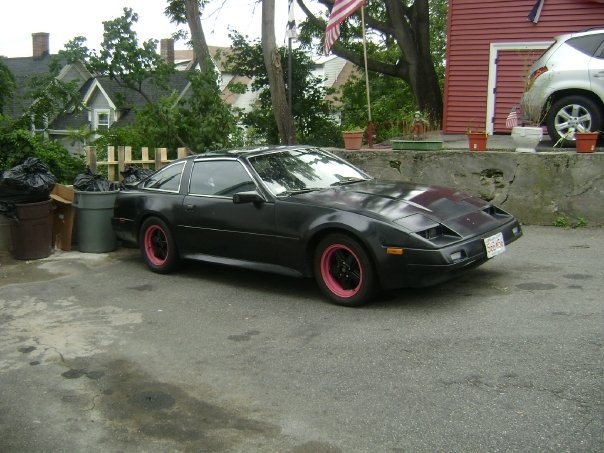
{"type": "Point", "coordinates": [599, 75]}
{"type": "Point", "coordinates": [189, 207]}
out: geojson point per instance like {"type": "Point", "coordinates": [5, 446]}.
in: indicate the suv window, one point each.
{"type": "Point", "coordinates": [219, 178]}
{"type": "Point", "coordinates": [588, 44]}
{"type": "Point", "coordinates": [167, 178]}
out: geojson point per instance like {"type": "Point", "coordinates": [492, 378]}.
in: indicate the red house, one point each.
{"type": "Point", "coordinates": [491, 44]}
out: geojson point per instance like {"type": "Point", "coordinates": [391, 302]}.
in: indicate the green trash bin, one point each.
{"type": "Point", "coordinates": [94, 232]}
{"type": "Point", "coordinates": [31, 231]}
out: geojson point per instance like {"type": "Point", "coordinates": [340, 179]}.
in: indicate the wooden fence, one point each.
{"type": "Point", "coordinates": [118, 157]}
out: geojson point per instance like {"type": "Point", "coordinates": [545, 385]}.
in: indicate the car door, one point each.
{"type": "Point", "coordinates": [212, 224]}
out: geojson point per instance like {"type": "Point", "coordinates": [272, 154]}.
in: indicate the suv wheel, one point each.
{"type": "Point", "coordinates": [572, 114]}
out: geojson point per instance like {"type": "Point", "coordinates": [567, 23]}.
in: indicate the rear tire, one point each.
{"type": "Point", "coordinates": [570, 114]}
{"type": "Point", "coordinates": [344, 271]}
{"type": "Point", "coordinates": [157, 246]}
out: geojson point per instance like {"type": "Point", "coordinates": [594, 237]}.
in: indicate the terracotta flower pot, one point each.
{"type": "Point", "coordinates": [477, 141]}
{"type": "Point", "coordinates": [353, 139]}
{"type": "Point", "coordinates": [586, 141]}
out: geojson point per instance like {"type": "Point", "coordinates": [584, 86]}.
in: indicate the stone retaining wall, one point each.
{"type": "Point", "coordinates": [537, 188]}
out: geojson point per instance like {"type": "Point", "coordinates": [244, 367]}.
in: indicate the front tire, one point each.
{"type": "Point", "coordinates": [343, 271]}
{"type": "Point", "coordinates": [157, 246]}
{"type": "Point", "coordinates": [572, 114]}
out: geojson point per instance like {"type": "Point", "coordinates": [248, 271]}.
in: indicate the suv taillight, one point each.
{"type": "Point", "coordinates": [536, 73]}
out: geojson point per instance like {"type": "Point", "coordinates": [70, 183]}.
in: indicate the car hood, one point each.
{"type": "Point", "coordinates": [411, 205]}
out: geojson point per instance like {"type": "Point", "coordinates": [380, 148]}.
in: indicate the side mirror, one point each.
{"type": "Point", "coordinates": [248, 197]}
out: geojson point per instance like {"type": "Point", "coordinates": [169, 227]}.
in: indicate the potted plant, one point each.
{"type": "Point", "coordinates": [586, 141]}
{"type": "Point", "coordinates": [528, 134]}
{"type": "Point", "coordinates": [477, 138]}
{"type": "Point", "coordinates": [353, 137]}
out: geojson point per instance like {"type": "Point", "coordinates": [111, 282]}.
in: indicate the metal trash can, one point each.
{"type": "Point", "coordinates": [31, 231]}
{"type": "Point", "coordinates": [94, 232]}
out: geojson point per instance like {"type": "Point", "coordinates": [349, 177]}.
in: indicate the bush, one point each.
{"type": "Point", "coordinates": [18, 144]}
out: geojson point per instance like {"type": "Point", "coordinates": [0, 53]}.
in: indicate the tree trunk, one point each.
{"type": "Point", "coordinates": [200, 46]}
{"type": "Point", "coordinates": [409, 26]}
{"type": "Point", "coordinates": [272, 61]}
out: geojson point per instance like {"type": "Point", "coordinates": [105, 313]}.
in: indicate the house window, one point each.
{"type": "Point", "coordinates": [102, 119]}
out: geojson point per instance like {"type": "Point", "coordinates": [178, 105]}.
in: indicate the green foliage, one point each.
{"type": "Point", "coordinates": [564, 222]}
{"type": "Point", "coordinates": [17, 144]}
{"type": "Point", "coordinates": [392, 105]}
{"type": "Point", "coordinates": [124, 60]}
{"type": "Point", "coordinates": [205, 121]}
{"type": "Point", "coordinates": [7, 85]}
{"type": "Point", "coordinates": [202, 121]}
{"type": "Point", "coordinates": [398, 43]}
{"type": "Point", "coordinates": [313, 115]}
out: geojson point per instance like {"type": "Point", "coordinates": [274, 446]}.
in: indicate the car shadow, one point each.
{"type": "Point", "coordinates": [448, 294]}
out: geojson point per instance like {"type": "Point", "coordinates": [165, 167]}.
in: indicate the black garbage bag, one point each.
{"type": "Point", "coordinates": [29, 182]}
{"type": "Point", "coordinates": [90, 182]}
{"type": "Point", "coordinates": [8, 209]}
{"type": "Point", "coordinates": [133, 174]}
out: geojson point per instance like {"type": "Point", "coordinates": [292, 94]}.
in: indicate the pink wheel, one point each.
{"type": "Point", "coordinates": [344, 271]}
{"type": "Point", "coordinates": [157, 246]}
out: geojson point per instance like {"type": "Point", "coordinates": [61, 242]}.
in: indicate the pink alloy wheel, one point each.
{"type": "Point", "coordinates": [156, 245]}
{"type": "Point", "coordinates": [341, 270]}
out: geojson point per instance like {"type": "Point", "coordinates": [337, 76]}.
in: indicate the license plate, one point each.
{"type": "Point", "coordinates": [495, 245]}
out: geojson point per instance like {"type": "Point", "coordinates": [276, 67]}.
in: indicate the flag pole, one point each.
{"type": "Point", "coordinates": [369, 123]}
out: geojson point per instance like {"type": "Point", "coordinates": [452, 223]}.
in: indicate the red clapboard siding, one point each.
{"type": "Point", "coordinates": [473, 26]}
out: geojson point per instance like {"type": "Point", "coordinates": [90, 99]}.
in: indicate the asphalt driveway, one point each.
{"type": "Point", "coordinates": [99, 354]}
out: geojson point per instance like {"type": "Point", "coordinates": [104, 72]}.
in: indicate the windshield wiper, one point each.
{"type": "Point", "coordinates": [297, 191]}
{"type": "Point", "coordinates": [351, 180]}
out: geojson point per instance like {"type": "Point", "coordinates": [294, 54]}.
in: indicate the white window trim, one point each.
{"type": "Point", "coordinates": [494, 49]}
{"type": "Point", "coordinates": [97, 113]}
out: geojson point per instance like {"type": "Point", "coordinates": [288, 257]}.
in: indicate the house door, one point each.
{"type": "Point", "coordinates": [510, 63]}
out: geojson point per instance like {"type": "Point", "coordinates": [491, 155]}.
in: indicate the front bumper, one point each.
{"type": "Point", "coordinates": [426, 267]}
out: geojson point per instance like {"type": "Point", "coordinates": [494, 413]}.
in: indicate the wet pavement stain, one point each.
{"type": "Point", "coordinates": [152, 400]}
{"type": "Point", "coordinates": [536, 286]}
{"type": "Point", "coordinates": [578, 276]}
{"type": "Point", "coordinates": [27, 350]}
{"type": "Point", "coordinates": [145, 287]}
{"type": "Point", "coordinates": [73, 374]}
{"type": "Point", "coordinates": [139, 406]}
{"type": "Point", "coordinates": [78, 373]}
{"type": "Point", "coordinates": [247, 336]}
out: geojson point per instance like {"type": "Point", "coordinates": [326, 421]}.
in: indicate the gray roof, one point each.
{"type": "Point", "coordinates": [23, 69]}
{"type": "Point", "coordinates": [125, 99]}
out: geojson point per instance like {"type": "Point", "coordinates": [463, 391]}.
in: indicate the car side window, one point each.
{"type": "Point", "coordinates": [219, 178]}
{"type": "Point", "coordinates": [167, 178]}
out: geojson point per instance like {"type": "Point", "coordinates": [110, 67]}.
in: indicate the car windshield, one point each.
{"type": "Point", "coordinates": [290, 172]}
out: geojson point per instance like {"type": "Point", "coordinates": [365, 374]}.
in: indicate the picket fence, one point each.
{"type": "Point", "coordinates": [118, 157]}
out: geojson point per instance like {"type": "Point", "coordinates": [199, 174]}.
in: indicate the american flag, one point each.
{"type": "Point", "coordinates": [535, 11]}
{"type": "Point", "coordinates": [340, 11]}
{"type": "Point", "coordinates": [512, 119]}
{"type": "Point", "coordinates": [291, 31]}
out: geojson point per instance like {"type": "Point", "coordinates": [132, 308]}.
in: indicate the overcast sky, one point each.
{"type": "Point", "coordinates": [66, 19]}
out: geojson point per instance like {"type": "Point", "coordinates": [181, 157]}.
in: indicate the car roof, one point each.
{"type": "Point", "coordinates": [583, 32]}
{"type": "Point", "coordinates": [249, 151]}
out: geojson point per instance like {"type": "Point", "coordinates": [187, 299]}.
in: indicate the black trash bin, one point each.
{"type": "Point", "coordinates": [31, 230]}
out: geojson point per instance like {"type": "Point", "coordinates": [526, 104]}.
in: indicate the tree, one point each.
{"type": "Point", "coordinates": [124, 61]}
{"type": "Point", "coordinates": [274, 72]}
{"type": "Point", "coordinates": [188, 12]}
{"type": "Point", "coordinates": [313, 115]}
{"type": "Point", "coordinates": [399, 45]}
{"type": "Point", "coordinates": [7, 85]}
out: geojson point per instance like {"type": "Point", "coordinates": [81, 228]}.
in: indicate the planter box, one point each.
{"type": "Point", "coordinates": [418, 145]}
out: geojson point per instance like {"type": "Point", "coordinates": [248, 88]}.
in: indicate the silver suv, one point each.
{"type": "Point", "coordinates": [565, 86]}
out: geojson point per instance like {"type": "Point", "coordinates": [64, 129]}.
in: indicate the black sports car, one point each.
{"type": "Point", "coordinates": [303, 211]}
